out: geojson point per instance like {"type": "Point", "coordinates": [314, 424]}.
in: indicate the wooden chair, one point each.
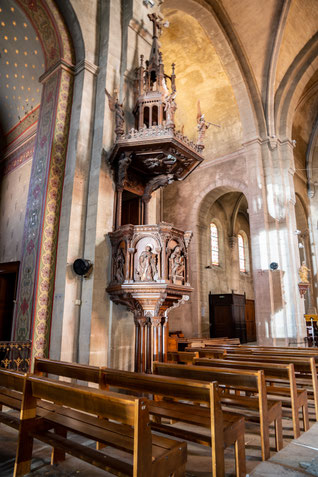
{"type": "Point", "coordinates": [286, 387]}
{"type": "Point", "coordinates": [266, 412]}
{"type": "Point", "coordinates": [74, 408]}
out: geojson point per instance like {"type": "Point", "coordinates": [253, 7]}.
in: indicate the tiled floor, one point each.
{"type": "Point", "coordinates": [199, 457]}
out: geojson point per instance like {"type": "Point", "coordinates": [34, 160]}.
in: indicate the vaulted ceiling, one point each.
{"type": "Point", "coordinates": [21, 65]}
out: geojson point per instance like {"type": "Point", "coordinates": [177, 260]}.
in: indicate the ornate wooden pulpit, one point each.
{"type": "Point", "coordinates": [150, 265]}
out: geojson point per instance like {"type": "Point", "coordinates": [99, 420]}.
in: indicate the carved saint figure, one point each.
{"type": "Point", "coordinates": [118, 109]}
{"type": "Point", "coordinates": [119, 265]}
{"type": "Point", "coordinates": [177, 264]}
{"type": "Point", "coordinates": [119, 117]}
{"type": "Point", "coordinates": [170, 108]}
{"type": "Point", "coordinates": [303, 273]}
{"type": "Point", "coordinates": [147, 265]}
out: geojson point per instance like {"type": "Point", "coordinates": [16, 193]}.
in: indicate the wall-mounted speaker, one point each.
{"type": "Point", "coordinates": [82, 267]}
{"type": "Point", "coordinates": [273, 266]}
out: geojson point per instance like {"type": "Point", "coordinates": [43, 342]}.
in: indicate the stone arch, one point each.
{"type": "Point", "coordinates": [41, 228]}
{"type": "Point", "coordinates": [246, 243]}
{"type": "Point", "coordinates": [200, 216]}
{"type": "Point", "coordinates": [293, 85]}
{"type": "Point", "coordinates": [311, 155]}
{"type": "Point", "coordinates": [217, 26]}
{"type": "Point", "coordinates": [211, 193]}
{"type": "Point", "coordinates": [306, 251]}
{"type": "Point", "coordinates": [234, 215]}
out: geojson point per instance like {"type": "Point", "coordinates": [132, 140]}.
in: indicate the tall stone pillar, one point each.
{"type": "Point", "coordinates": [294, 306]}
{"type": "Point", "coordinates": [279, 308]}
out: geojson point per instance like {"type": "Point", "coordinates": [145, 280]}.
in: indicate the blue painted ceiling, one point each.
{"type": "Point", "coordinates": [21, 65]}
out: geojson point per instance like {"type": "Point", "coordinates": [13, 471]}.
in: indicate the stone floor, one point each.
{"type": "Point", "coordinates": [298, 458]}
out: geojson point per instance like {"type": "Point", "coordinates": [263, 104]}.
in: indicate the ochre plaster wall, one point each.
{"type": "Point", "coordinates": [200, 76]}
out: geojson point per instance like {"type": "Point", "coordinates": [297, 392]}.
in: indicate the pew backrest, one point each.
{"type": "Point", "coordinates": [80, 372]}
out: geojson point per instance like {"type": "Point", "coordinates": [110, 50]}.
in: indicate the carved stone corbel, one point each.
{"type": "Point", "coordinates": [232, 241]}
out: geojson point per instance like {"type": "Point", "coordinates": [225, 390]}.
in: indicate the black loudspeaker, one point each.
{"type": "Point", "coordinates": [82, 267]}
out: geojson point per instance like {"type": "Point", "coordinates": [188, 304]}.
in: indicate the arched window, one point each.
{"type": "Point", "coordinates": [241, 250]}
{"type": "Point", "coordinates": [214, 244]}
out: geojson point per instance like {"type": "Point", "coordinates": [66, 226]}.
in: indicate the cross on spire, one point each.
{"type": "Point", "coordinates": [156, 23]}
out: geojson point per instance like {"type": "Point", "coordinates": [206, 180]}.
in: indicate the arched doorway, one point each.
{"type": "Point", "coordinates": [227, 290]}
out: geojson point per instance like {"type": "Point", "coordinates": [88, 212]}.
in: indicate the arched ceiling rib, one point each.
{"type": "Point", "coordinates": [301, 26]}
{"type": "Point", "coordinates": [21, 65]}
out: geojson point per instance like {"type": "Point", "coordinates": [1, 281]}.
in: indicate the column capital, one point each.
{"type": "Point", "coordinates": [60, 65]}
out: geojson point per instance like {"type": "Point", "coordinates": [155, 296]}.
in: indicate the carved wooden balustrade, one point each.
{"type": "Point", "coordinates": [15, 355]}
{"type": "Point", "coordinates": [150, 275]}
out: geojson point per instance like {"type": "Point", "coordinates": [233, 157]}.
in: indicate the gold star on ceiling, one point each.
{"type": "Point", "coordinates": [12, 22]}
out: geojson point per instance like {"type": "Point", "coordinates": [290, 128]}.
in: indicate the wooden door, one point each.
{"type": "Point", "coordinates": [238, 312]}
{"type": "Point", "coordinates": [8, 285]}
{"type": "Point", "coordinates": [130, 209]}
{"type": "Point", "coordinates": [250, 320]}
{"type": "Point", "coordinates": [221, 319]}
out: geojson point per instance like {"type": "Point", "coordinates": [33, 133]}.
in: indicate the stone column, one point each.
{"type": "Point", "coordinates": [34, 302]}
{"type": "Point", "coordinates": [260, 225]}
{"type": "Point", "coordinates": [68, 286]}
{"type": "Point", "coordinates": [294, 308]}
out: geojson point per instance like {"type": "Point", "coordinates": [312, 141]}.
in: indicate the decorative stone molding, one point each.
{"type": "Point", "coordinates": [86, 65]}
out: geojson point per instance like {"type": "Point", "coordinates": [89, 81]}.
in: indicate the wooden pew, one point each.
{"type": "Point", "coordinates": [305, 371]}
{"type": "Point", "coordinates": [226, 428]}
{"type": "Point", "coordinates": [183, 343]}
{"type": "Point", "coordinates": [305, 352]}
{"type": "Point", "coordinates": [11, 388]}
{"type": "Point", "coordinates": [74, 407]}
{"type": "Point", "coordinates": [266, 412]}
{"type": "Point", "coordinates": [287, 391]}
{"type": "Point", "coordinates": [211, 417]}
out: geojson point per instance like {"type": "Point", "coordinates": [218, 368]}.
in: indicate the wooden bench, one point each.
{"type": "Point", "coordinates": [225, 428]}
{"type": "Point", "coordinates": [181, 357]}
{"type": "Point", "coordinates": [11, 389]}
{"type": "Point", "coordinates": [286, 388]}
{"type": "Point", "coordinates": [305, 371]}
{"type": "Point", "coordinates": [74, 408]}
{"type": "Point", "coordinates": [211, 417]}
{"type": "Point", "coordinates": [183, 343]}
{"type": "Point", "coordinates": [258, 407]}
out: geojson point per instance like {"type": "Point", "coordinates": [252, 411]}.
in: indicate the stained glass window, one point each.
{"type": "Point", "coordinates": [241, 253]}
{"type": "Point", "coordinates": [214, 244]}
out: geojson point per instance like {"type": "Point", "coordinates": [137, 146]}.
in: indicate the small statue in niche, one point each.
{"type": "Point", "coordinates": [170, 108]}
{"type": "Point", "coordinates": [119, 265]}
{"type": "Point", "coordinates": [147, 265]}
{"type": "Point", "coordinates": [118, 109]}
{"type": "Point", "coordinates": [177, 265]}
{"type": "Point", "coordinates": [303, 273]}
